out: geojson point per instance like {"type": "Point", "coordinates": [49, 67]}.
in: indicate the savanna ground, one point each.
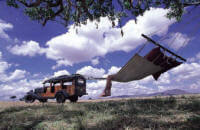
{"type": "Point", "coordinates": [179, 112]}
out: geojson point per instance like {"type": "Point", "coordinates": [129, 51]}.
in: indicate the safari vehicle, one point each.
{"type": "Point", "coordinates": [60, 88]}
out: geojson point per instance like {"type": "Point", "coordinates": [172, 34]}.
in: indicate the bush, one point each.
{"type": "Point", "coordinates": [194, 105]}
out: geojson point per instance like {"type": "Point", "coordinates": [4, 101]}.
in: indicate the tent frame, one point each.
{"type": "Point", "coordinates": [165, 49]}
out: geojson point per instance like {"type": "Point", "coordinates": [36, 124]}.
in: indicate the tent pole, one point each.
{"type": "Point", "coordinates": [154, 42]}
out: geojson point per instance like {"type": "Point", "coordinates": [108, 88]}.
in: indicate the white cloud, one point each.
{"type": "Point", "coordinates": [113, 70]}
{"type": "Point", "coordinates": [30, 48]}
{"type": "Point", "coordinates": [5, 76]}
{"type": "Point", "coordinates": [95, 61]}
{"type": "Point", "coordinates": [186, 68]}
{"type": "Point", "coordinates": [90, 71]}
{"type": "Point", "coordinates": [18, 88]}
{"type": "Point", "coordinates": [4, 27]}
{"type": "Point", "coordinates": [17, 74]}
{"type": "Point", "coordinates": [13, 76]}
{"type": "Point", "coordinates": [60, 63]}
{"type": "Point", "coordinates": [71, 48]}
{"type": "Point", "coordinates": [177, 40]}
{"type": "Point", "coordinates": [61, 72]}
{"type": "Point", "coordinates": [4, 66]}
{"type": "Point", "coordinates": [196, 58]}
{"type": "Point", "coordinates": [147, 80]}
{"type": "Point", "coordinates": [163, 79]}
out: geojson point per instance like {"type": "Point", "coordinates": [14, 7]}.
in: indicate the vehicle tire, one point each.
{"type": "Point", "coordinates": [73, 98]}
{"type": "Point", "coordinates": [29, 99]}
{"type": "Point", "coordinates": [43, 100]}
{"type": "Point", "coordinates": [60, 98]}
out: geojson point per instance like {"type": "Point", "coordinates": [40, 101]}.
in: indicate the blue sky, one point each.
{"type": "Point", "coordinates": [30, 53]}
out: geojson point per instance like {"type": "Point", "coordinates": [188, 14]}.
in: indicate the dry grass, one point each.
{"type": "Point", "coordinates": [180, 112]}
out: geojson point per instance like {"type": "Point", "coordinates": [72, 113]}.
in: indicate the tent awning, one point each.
{"type": "Point", "coordinates": [137, 68]}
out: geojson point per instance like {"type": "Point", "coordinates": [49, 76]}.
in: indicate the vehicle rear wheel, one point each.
{"type": "Point", "coordinates": [29, 99]}
{"type": "Point", "coordinates": [60, 98]}
{"type": "Point", "coordinates": [73, 98]}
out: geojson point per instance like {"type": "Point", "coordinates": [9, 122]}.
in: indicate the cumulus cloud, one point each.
{"type": "Point", "coordinates": [3, 28]}
{"type": "Point", "coordinates": [187, 71]}
{"type": "Point", "coordinates": [5, 76]}
{"type": "Point", "coordinates": [89, 42]}
{"type": "Point", "coordinates": [13, 76]}
{"type": "Point", "coordinates": [30, 48]}
{"type": "Point", "coordinates": [195, 58]}
{"type": "Point", "coordinates": [177, 40]}
{"type": "Point", "coordinates": [113, 70]}
{"type": "Point", "coordinates": [90, 71]}
{"type": "Point", "coordinates": [163, 79]}
{"type": "Point", "coordinates": [61, 72]}
{"type": "Point", "coordinates": [18, 88]}
{"type": "Point", "coordinates": [4, 66]}
{"type": "Point", "coordinates": [15, 82]}
{"type": "Point", "coordinates": [17, 74]}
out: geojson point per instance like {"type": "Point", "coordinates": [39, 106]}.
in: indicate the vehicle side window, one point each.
{"type": "Point", "coordinates": [47, 84]}
{"type": "Point", "coordinates": [57, 84]}
{"type": "Point", "coordinates": [67, 83]}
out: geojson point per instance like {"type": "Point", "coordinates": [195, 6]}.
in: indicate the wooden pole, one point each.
{"type": "Point", "coordinates": [157, 44]}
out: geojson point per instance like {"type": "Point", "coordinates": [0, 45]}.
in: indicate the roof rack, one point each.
{"type": "Point", "coordinates": [62, 78]}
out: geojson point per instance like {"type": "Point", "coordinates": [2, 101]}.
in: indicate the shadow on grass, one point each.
{"type": "Point", "coordinates": [145, 106]}
{"type": "Point", "coordinates": [142, 123]}
{"type": "Point", "coordinates": [132, 113]}
{"type": "Point", "coordinates": [127, 114]}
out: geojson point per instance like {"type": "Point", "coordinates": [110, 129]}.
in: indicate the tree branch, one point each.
{"type": "Point", "coordinates": [190, 4]}
{"type": "Point", "coordinates": [83, 4]}
{"type": "Point", "coordinates": [60, 2]}
{"type": "Point", "coordinates": [51, 4]}
{"type": "Point", "coordinates": [35, 4]}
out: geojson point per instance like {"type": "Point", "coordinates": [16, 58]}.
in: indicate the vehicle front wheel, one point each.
{"type": "Point", "coordinates": [73, 98]}
{"type": "Point", "coordinates": [60, 98]}
{"type": "Point", "coordinates": [29, 99]}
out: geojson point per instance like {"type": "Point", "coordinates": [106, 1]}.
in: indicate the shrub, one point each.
{"type": "Point", "coordinates": [194, 105]}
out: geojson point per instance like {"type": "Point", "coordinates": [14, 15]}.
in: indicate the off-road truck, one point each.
{"type": "Point", "coordinates": [60, 88]}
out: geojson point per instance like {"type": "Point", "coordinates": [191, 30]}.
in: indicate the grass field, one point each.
{"type": "Point", "coordinates": [180, 112]}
